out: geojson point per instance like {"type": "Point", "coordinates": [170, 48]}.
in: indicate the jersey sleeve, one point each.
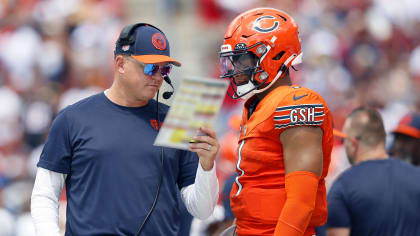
{"type": "Point", "coordinates": [299, 108]}
{"type": "Point", "coordinates": [187, 168]}
{"type": "Point", "coordinates": [57, 153]}
{"type": "Point", "coordinates": [338, 211]}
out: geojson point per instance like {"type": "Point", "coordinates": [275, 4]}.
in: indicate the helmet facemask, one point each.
{"type": "Point", "coordinates": [241, 66]}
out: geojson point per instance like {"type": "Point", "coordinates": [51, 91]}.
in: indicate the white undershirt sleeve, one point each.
{"type": "Point", "coordinates": [201, 197]}
{"type": "Point", "coordinates": [44, 201]}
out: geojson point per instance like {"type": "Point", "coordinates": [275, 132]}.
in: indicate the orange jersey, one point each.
{"type": "Point", "coordinates": [258, 194]}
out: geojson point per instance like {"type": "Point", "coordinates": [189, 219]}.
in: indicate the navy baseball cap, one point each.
{"type": "Point", "coordinates": [409, 125]}
{"type": "Point", "coordinates": [145, 43]}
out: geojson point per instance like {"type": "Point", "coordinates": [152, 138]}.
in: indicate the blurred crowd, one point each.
{"type": "Point", "coordinates": [55, 52]}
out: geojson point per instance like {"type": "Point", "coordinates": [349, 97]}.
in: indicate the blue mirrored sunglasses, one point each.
{"type": "Point", "coordinates": [152, 69]}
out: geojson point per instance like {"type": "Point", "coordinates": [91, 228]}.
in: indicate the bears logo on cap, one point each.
{"type": "Point", "coordinates": [159, 41]}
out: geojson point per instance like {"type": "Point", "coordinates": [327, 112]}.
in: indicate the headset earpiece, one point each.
{"type": "Point", "coordinates": [126, 36]}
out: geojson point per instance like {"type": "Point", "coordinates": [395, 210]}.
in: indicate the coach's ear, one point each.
{"type": "Point", "coordinates": [119, 64]}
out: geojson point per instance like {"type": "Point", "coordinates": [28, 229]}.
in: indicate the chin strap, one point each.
{"type": "Point", "coordinates": [243, 89]}
{"type": "Point", "coordinates": [281, 71]}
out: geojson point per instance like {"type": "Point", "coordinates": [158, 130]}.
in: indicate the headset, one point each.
{"type": "Point", "coordinates": [126, 38]}
{"type": "Point", "coordinates": [162, 153]}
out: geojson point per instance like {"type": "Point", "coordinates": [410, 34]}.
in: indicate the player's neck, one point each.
{"type": "Point", "coordinates": [376, 153]}
{"type": "Point", "coordinates": [284, 81]}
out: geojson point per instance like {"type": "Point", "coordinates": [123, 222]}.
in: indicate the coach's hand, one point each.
{"type": "Point", "coordinates": [206, 147]}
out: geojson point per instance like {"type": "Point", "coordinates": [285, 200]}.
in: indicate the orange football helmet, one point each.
{"type": "Point", "coordinates": [266, 36]}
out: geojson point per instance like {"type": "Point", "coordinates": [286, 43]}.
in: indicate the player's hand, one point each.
{"type": "Point", "coordinates": [206, 146]}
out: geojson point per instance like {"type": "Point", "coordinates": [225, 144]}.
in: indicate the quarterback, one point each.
{"type": "Point", "coordinates": [286, 131]}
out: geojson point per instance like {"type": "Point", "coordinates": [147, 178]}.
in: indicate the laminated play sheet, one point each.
{"type": "Point", "coordinates": [196, 103]}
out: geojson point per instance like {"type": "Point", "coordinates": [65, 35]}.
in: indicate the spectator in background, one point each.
{"type": "Point", "coordinates": [406, 144]}
{"type": "Point", "coordinates": [378, 195]}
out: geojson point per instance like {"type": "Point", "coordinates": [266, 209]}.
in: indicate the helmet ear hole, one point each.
{"type": "Point", "coordinates": [278, 56]}
{"type": "Point", "coordinates": [261, 49]}
{"type": "Point", "coordinates": [263, 76]}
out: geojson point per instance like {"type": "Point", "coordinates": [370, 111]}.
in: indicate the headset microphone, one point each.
{"type": "Point", "coordinates": [168, 94]}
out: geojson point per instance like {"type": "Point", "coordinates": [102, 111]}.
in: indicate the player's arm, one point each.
{"type": "Point", "coordinates": [338, 232]}
{"type": "Point", "coordinates": [303, 157]}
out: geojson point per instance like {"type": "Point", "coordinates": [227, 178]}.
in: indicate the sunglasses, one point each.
{"type": "Point", "coordinates": [152, 69]}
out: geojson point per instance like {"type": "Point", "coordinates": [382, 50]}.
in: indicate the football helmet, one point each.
{"type": "Point", "coordinates": [261, 43]}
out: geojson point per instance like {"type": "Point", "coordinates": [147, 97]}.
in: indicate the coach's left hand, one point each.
{"type": "Point", "coordinates": [206, 148]}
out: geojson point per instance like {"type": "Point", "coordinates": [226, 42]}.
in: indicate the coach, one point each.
{"type": "Point", "coordinates": [117, 182]}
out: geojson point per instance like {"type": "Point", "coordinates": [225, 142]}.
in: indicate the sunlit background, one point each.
{"type": "Point", "coordinates": [56, 52]}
